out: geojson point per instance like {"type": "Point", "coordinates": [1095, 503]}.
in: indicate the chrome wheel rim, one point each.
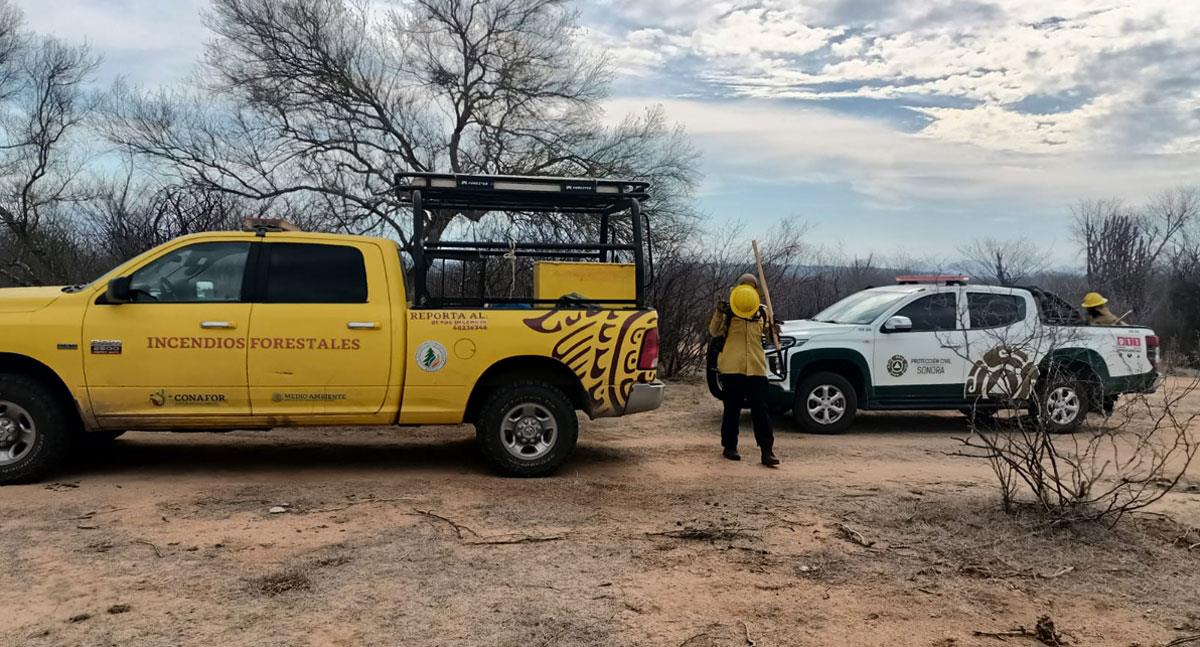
{"type": "Point", "coordinates": [18, 433]}
{"type": "Point", "coordinates": [826, 404]}
{"type": "Point", "coordinates": [528, 431]}
{"type": "Point", "coordinates": [1063, 405]}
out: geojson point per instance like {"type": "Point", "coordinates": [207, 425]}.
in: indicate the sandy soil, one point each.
{"type": "Point", "coordinates": [401, 537]}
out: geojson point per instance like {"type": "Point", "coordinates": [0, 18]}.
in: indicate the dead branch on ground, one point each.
{"type": "Point", "coordinates": [749, 641]}
{"type": "Point", "coordinates": [855, 536]}
{"type": "Point", "coordinates": [458, 528]}
{"type": "Point", "coordinates": [1044, 632]}
{"type": "Point", "coordinates": [157, 552]}
{"type": "Point", "coordinates": [507, 540]}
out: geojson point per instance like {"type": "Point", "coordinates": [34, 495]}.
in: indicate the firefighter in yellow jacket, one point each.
{"type": "Point", "coordinates": [743, 367]}
{"type": "Point", "coordinates": [1097, 310]}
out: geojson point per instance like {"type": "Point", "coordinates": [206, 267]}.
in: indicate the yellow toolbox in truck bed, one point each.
{"type": "Point", "coordinates": [595, 281]}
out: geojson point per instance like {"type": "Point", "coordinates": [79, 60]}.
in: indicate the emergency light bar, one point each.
{"type": "Point", "coordinates": [263, 225]}
{"type": "Point", "coordinates": [937, 279]}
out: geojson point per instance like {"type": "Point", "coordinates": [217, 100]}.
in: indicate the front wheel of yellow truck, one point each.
{"type": "Point", "coordinates": [527, 429]}
{"type": "Point", "coordinates": [33, 430]}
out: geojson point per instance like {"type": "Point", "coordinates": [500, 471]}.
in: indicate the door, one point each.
{"type": "Point", "coordinates": [179, 347]}
{"type": "Point", "coordinates": [320, 333]}
{"type": "Point", "coordinates": [1001, 346]}
{"type": "Point", "coordinates": [922, 366]}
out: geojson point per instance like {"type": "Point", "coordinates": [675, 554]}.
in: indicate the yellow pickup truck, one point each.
{"type": "Point", "coordinates": [271, 327]}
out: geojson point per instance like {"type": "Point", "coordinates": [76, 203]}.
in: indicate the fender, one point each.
{"type": "Point", "coordinates": [802, 359]}
{"type": "Point", "coordinates": [1080, 356]}
{"type": "Point", "coordinates": [508, 367]}
{"type": "Point", "coordinates": [25, 365]}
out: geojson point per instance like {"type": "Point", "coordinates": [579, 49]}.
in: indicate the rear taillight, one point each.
{"type": "Point", "coordinates": [648, 360]}
{"type": "Point", "coordinates": [1152, 350]}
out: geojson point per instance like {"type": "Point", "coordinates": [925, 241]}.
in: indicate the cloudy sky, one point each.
{"type": "Point", "coordinates": [893, 126]}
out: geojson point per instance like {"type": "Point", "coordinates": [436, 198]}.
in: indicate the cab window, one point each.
{"type": "Point", "coordinates": [308, 273]}
{"type": "Point", "coordinates": [932, 313]}
{"type": "Point", "coordinates": [995, 310]}
{"type": "Point", "coordinates": [200, 273]}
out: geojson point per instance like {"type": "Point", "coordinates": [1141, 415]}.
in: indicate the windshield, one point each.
{"type": "Point", "coordinates": [861, 308]}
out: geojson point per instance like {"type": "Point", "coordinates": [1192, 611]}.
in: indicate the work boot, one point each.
{"type": "Point", "coordinates": [769, 459]}
{"type": "Point", "coordinates": [732, 454]}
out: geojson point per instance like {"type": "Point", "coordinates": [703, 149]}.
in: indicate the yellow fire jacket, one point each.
{"type": "Point", "coordinates": [1103, 317]}
{"type": "Point", "coordinates": [743, 352]}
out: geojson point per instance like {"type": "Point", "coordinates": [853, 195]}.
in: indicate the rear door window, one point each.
{"type": "Point", "coordinates": [311, 273]}
{"type": "Point", "coordinates": [995, 310]}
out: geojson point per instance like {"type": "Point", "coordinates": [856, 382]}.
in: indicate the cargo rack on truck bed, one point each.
{"type": "Point", "coordinates": [450, 192]}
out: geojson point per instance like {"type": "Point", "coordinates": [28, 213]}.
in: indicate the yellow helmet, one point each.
{"type": "Point", "coordinates": [744, 302]}
{"type": "Point", "coordinates": [1094, 300]}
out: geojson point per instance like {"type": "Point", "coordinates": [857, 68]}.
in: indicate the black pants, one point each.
{"type": "Point", "coordinates": [737, 389]}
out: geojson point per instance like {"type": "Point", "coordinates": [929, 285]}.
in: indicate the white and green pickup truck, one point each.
{"type": "Point", "coordinates": [937, 343]}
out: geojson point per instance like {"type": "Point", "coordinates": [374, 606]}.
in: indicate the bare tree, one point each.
{"type": "Point", "coordinates": [1124, 248]}
{"type": "Point", "coordinates": [1003, 262]}
{"type": "Point", "coordinates": [1048, 452]}
{"type": "Point", "coordinates": [43, 101]}
{"type": "Point", "coordinates": [1119, 464]}
{"type": "Point", "coordinates": [333, 98]}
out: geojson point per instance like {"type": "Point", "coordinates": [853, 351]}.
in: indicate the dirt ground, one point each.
{"type": "Point", "coordinates": [648, 537]}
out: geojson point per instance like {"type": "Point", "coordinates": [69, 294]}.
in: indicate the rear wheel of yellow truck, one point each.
{"type": "Point", "coordinates": [527, 429]}
{"type": "Point", "coordinates": [33, 430]}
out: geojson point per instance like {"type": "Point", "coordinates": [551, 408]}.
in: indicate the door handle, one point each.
{"type": "Point", "coordinates": [362, 325]}
{"type": "Point", "coordinates": [952, 346]}
{"type": "Point", "coordinates": [218, 325]}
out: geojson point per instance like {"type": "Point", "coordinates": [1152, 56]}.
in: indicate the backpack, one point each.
{"type": "Point", "coordinates": [717, 344]}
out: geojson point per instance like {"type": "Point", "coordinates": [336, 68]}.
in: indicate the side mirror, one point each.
{"type": "Point", "coordinates": [118, 290]}
{"type": "Point", "coordinates": [897, 324]}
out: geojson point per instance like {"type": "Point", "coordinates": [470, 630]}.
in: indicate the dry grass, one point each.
{"type": "Point", "coordinates": [280, 583]}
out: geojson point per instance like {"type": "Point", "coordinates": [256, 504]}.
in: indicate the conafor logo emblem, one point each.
{"type": "Point", "coordinates": [431, 356]}
{"type": "Point", "coordinates": [162, 398]}
{"type": "Point", "coordinates": [897, 366]}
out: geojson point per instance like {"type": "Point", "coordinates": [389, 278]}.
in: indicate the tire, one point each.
{"type": "Point", "coordinates": [527, 429]}
{"type": "Point", "coordinates": [825, 391]}
{"type": "Point", "coordinates": [1063, 403]}
{"type": "Point", "coordinates": [34, 430]}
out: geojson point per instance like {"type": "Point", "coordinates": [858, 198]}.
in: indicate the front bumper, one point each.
{"type": "Point", "coordinates": [645, 397]}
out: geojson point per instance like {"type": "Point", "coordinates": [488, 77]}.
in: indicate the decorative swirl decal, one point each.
{"type": "Point", "coordinates": [1002, 371]}
{"type": "Point", "coordinates": [602, 348]}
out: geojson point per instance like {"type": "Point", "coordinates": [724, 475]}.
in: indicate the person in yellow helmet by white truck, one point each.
{"type": "Point", "coordinates": [743, 367]}
{"type": "Point", "coordinates": [1097, 310]}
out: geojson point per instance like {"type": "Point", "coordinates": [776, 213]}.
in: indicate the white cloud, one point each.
{"type": "Point", "coordinates": [149, 41]}
{"type": "Point", "coordinates": [760, 31]}
{"type": "Point", "coordinates": [774, 143]}
{"type": "Point", "coordinates": [968, 65]}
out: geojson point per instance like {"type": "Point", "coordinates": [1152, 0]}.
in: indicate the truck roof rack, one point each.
{"type": "Point", "coordinates": [457, 192]}
{"type": "Point", "coordinates": [520, 193]}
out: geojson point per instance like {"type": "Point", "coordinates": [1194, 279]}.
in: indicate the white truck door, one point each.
{"type": "Point", "coordinates": [1003, 344]}
{"type": "Point", "coordinates": [921, 367]}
